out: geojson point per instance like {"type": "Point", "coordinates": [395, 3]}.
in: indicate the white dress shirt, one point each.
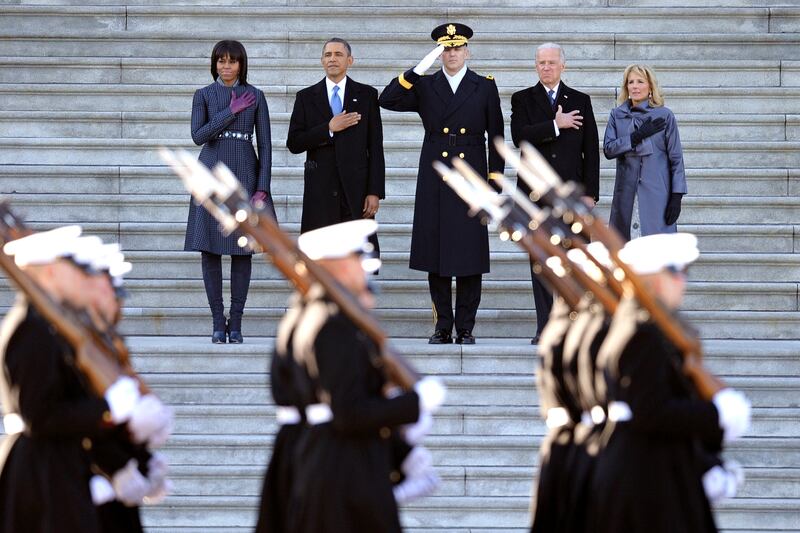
{"type": "Point", "coordinates": [555, 95]}
{"type": "Point", "coordinates": [331, 85]}
{"type": "Point", "coordinates": [455, 79]}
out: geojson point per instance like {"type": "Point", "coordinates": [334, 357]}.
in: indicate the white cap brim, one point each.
{"type": "Point", "coordinates": [338, 240]}
{"type": "Point", "coordinates": [654, 253]}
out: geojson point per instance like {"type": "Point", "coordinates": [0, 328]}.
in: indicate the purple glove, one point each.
{"type": "Point", "coordinates": [242, 102]}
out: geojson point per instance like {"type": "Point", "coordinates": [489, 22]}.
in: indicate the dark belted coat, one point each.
{"type": "Point", "coordinates": [445, 240]}
{"type": "Point", "coordinates": [211, 115]}
{"type": "Point", "coordinates": [653, 169]}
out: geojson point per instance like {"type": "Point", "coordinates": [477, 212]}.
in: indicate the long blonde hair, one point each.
{"type": "Point", "coordinates": [656, 97]}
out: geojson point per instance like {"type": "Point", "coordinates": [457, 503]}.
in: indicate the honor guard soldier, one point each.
{"type": "Point", "coordinates": [459, 110]}
{"type": "Point", "coordinates": [57, 428]}
{"type": "Point", "coordinates": [339, 470]}
{"type": "Point", "coordinates": [650, 475]}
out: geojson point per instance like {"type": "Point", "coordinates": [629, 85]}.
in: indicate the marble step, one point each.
{"type": "Point", "coordinates": [701, 296]}
{"type": "Point", "coordinates": [400, 181]}
{"type": "Point", "coordinates": [487, 19]}
{"type": "Point", "coordinates": [64, 40]}
{"type": "Point", "coordinates": [59, 207]}
{"type": "Point", "coordinates": [496, 356]}
{"type": "Point", "coordinates": [149, 97]}
{"type": "Point", "coordinates": [396, 126]}
{"type": "Point", "coordinates": [102, 151]}
{"type": "Point", "coordinates": [275, 71]}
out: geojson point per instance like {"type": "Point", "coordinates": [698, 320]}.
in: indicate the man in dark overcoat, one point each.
{"type": "Point", "coordinates": [559, 122]}
{"type": "Point", "coordinates": [459, 110]}
{"type": "Point", "coordinates": [337, 122]}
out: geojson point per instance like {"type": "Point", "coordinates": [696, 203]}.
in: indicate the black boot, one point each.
{"type": "Point", "coordinates": [212, 279]}
{"type": "Point", "coordinates": [241, 267]}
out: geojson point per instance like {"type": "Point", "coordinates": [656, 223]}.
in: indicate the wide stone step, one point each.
{"type": "Point", "coordinates": [406, 294]}
{"type": "Point", "coordinates": [400, 181]}
{"type": "Point", "coordinates": [484, 391]}
{"type": "Point", "coordinates": [272, 71]}
{"type": "Point", "coordinates": [396, 126]}
{"type": "Point", "coordinates": [486, 19]}
{"type": "Point", "coordinates": [417, 322]}
{"type": "Point", "coordinates": [59, 207]}
{"type": "Point", "coordinates": [501, 357]}
{"type": "Point", "coordinates": [149, 97]}
{"type": "Point", "coordinates": [450, 420]}
{"type": "Point", "coordinates": [101, 151]}
{"type": "Point", "coordinates": [230, 481]}
{"type": "Point", "coordinates": [64, 40]}
{"type": "Point", "coordinates": [452, 514]}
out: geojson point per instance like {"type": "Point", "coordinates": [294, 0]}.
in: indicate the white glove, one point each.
{"type": "Point", "coordinates": [421, 479]}
{"type": "Point", "coordinates": [160, 486]}
{"type": "Point", "coordinates": [130, 485]}
{"type": "Point", "coordinates": [428, 60]}
{"type": "Point", "coordinates": [734, 413]}
{"type": "Point", "coordinates": [101, 489]}
{"type": "Point", "coordinates": [414, 433]}
{"type": "Point", "coordinates": [151, 421]}
{"type": "Point", "coordinates": [722, 482]}
{"type": "Point", "coordinates": [122, 397]}
{"type": "Point", "coordinates": [431, 393]}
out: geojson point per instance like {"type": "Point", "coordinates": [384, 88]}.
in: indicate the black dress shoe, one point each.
{"type": "Point", "coordinates": [465, 337]}
{"type": "Point", "coordinates": [535, 340]}
{"type": "Point", "coordinates": [218, 337]}
{"type": "Point", "coordinates": [441, 336]}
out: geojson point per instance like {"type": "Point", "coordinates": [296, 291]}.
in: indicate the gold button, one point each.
{"type": "Point", "coordinates": [463, 130]}
{"type": "Point", "coordinates": [86, 443]}
{"type": "Point", "coordinates": [394, 476]}
{"type": "Point", "coordinates": [385, 433]}
{"type": "Point", "coordinates": [446, 130]}
{"type": "Point", "coordinates": [107, 418]}
{"type": "Point", "coordinates": [444, 154]}
{"type": "Point", "coordinates": [461, 155]}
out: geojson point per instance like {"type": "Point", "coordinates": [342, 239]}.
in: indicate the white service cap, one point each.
{"type": "Point", "coordinates": [43, 247]}
{"type": "Point", "coordinates": [654, 253]}
{"type": "Point", "coordinates": [338, 240]}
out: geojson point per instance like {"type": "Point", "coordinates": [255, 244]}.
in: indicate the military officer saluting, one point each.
{"type": "Point", "coordinates": [459, 110]}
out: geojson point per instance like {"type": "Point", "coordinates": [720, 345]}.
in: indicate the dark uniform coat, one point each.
{"type": "Point", "coordinates": [343, 475]}
{"type": "Point", "coordinates": [44, 481]}
{"type": "Point", "coordinates": [290, 387]}
{"type": "Point", "coordinates": [350, 163]}
{"type": "Point", "coordinates": [573, 154]}
{"type": "Point", "coordinates": [648, 478]}
{"type": "Point", "coordinates": [653, 169]}
{"type": "Point", "coordinates": [445, 240]}
{"type": "Point", "coordinates": [211, 116]}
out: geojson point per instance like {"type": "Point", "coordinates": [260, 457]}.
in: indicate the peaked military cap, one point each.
{"type": "Point", "coordinates": [452, 34]}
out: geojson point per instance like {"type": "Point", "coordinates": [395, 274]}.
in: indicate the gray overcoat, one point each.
{"type": "Point", "coordinates": [211, 116]}
{"type": "Point", "coordinates": [653, 170]}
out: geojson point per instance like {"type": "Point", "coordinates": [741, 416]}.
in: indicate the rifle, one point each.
{"type": "Point", "coordinates": [98, 355]}
{"type": "Point", "coordinates": [224, 198]}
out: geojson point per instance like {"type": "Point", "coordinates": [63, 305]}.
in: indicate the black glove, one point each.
{"type": "Point", "coordinates": [673, 210]}
{"type": "Point", "coordinates": [647, 128]}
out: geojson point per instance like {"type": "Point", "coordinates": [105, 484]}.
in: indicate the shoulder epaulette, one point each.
{"type": "Point", "coordinates": [489, 77]}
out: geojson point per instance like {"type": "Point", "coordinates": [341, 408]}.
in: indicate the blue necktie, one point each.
{"type": "Point", "coordinates": [336, 102]}
{"type": "Point", "coordinates": [552, 95]}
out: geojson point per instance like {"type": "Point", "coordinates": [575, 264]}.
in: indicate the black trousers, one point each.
{"type": "Point", "coordinates": [543, 300]}
{"type": "Point", "coordinates": [468, 298]}
{"type": "Point", "coordinates": [241, 268]}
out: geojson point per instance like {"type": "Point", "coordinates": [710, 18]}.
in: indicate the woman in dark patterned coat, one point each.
{"type": "Point", "coordinates": [224, 115]}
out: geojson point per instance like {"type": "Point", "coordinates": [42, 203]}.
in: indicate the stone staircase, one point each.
{"type": "Point", "coordinates": [88, 92]}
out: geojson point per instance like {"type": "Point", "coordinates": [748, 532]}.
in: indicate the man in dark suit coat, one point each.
{"type": "Point", "coordinates": [559, 122]}
{"type": "Point", "coordinates": [459, 110]}
{"type": "Point", "coordinates": [344, 169]}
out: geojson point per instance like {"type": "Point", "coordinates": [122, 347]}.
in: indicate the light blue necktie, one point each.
{"type": "Point", "coordinates": [552, 95]}
{"type": "Point", "coordinates": [336, 102]}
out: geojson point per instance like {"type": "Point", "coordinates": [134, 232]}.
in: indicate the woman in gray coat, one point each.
{"type": "Point", "coordinates": [642, 135]}
{"type": "Point", "coordinates": [224, 115]}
